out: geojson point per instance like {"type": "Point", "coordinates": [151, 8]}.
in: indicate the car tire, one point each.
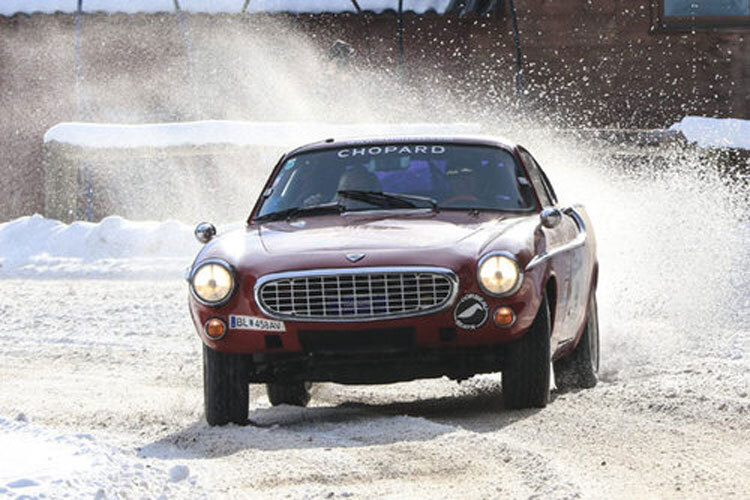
{"type": "Point", "coordinates": [526, 376]}
{"type": "Point", "coordinates": [293, 393]}
{"type": "Point", "coordinates": [579, 369]}
{"type": "Point", "coordinates": [225, 387]}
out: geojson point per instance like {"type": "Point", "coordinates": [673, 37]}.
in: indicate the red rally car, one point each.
{"type": "Point", "coordinates": [382, 260]}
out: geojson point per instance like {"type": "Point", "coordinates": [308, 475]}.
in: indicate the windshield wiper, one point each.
{"type": "Point", "coordinates": [388, 200]}
{"type": "Point", "coordinates": [290, 213]}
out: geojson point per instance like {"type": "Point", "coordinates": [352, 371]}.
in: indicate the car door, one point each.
{"type": "Point", "coordinates": [581, 263]}
{"type": "Point", "coordinates": [565, 256]}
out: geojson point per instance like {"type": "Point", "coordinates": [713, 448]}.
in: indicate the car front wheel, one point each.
{"type": "Point", "coordinates": [292, 393]}
{"type": "Point", "coordinates": [526, 370]}
{"type": "Point", "coordinates": [225, 387]}
{"type": "Point", "coordinates": [578, 370]}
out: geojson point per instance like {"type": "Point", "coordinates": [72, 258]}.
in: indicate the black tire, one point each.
{"type": "Point", "coordinates": [527, 364]}
{"type": "Point", "coordinates": [293, 393]}
{"type": "Point", "coordinates": [579, 369]}
{"type": "Point", "coordinates": [225, 387]}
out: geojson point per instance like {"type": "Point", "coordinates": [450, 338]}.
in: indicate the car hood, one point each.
{"type": "Point", "coordinates": [448, 239]}
{"type": "Point", "coordinates": [393, 233]}
{"type": "Point", "coordinates": [357, 233]}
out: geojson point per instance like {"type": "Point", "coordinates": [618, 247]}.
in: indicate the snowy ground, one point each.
{"type": "Point", "coordinates": [102, 391]}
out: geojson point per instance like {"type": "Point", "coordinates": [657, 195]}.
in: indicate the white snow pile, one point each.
{"type": "Point", "coordinates": [113, 248]}
{"type": "Point", "coordinates": [207, 132]}
{"type": "Point", "coordinates": [715, 132]}
{"type": "Point", "coordinates": [10, 7]}
{"type": "Point", "coordinates": [39, 462]}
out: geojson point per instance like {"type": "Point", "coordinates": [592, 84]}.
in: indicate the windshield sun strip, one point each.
{"type": "Point", "coordinates": [301, 153]}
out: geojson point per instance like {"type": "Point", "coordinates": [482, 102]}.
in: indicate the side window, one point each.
{"type": "Point", "coordinates": [547, 184]}
{"type": "Point", "coordinates": [536, 179]}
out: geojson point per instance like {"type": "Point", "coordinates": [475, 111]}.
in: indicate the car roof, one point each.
{"type": "Point", "coordinates": [332, 143]}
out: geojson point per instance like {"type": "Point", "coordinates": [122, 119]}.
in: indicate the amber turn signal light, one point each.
{"type": "Point", "coordinates": [504, 317]}
{"type": "Point", "coordinates": [215, 328]}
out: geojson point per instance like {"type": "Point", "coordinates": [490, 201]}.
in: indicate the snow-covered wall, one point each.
{"type": "Point", "coordinates": [186, 170]}
{"type": "Point", "coordinates": [11, 7]}
{"type": "Point", "coordinates": [715, 132]}
{"type": "Point", "coordinates": [238, 133]}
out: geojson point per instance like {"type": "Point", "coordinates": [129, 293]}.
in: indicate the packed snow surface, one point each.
{"type": "Point", "coordinates": [102, 390]}
{"type": "Point", "coordinates": [10, 7]}
{"type": "Point", "coordinates": [282, 134]}
{"type": "Point", "coordinates": [715, 132]}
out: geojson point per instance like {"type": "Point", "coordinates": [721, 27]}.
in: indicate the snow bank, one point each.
{"type": "Point", "coordinates": [279, 134]}
{"type": "Point", "coordinates": [10, 7]}
{"type": "Point", "coordinates": [715, 132]}
{"type": "Point", "coordinates": [39, 462]}
{"type": "Point", "coordinates": [113, 248]}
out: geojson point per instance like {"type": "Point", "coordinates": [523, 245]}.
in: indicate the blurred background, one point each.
{"type": "Point", "coordinates": [502, 64]}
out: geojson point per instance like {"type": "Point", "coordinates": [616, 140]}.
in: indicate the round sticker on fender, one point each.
{"type": "Point", "coordinates": [471, 312]}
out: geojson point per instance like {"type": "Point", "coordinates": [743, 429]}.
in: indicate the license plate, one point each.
{"type": "Point", "coordinates": [257, 324]}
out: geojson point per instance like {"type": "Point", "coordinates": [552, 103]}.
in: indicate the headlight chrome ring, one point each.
{"type": "Point", "coordinates": [507, 256]}
{"type": "Point", "coordinates": [230, 276]}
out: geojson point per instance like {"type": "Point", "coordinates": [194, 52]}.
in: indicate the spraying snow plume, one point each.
{"type": "Point", "coordinates": [670, 234]}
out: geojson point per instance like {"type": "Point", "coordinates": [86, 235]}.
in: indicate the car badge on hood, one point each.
{"type": "Point", "coordinates": [355, 257]}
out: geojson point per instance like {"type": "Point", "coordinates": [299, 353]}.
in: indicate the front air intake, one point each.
{"type": "Point", "coordinates": [356, 294]}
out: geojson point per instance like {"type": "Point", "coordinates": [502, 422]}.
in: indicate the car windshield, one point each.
{"type": "Point", "coordinates": [400, 176]}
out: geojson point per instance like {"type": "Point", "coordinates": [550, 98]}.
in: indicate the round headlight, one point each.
{"type": "Point", "coordinates": [499, 274]}
{"type": "Point", "coordinates": [212, 283]}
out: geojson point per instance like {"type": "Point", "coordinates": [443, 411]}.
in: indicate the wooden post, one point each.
{"type": "Point", "coordinates": [517, 44]}
{"type": "Point", "coordinates": [401, 34]}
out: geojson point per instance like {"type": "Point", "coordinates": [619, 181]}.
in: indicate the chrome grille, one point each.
{"type": "Point", "coordinates": [355, 294]}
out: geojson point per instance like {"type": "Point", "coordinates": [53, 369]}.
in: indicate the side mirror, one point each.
{"type": "Point", "coordinates": [551, 217]}
{"type": "Point", "coordinates": [204, 232]}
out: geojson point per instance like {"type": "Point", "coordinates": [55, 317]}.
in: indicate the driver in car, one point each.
{"type": "Point", "coordinates": [463, 187]}
{"type": "Point", "coordinates": [358, 179]}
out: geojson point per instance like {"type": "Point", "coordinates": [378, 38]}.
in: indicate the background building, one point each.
{"type": "Point", "coordinates": [577, 63]}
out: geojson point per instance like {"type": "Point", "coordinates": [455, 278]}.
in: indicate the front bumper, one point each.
{"type": "Point", "coordinates": [437, 330]}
